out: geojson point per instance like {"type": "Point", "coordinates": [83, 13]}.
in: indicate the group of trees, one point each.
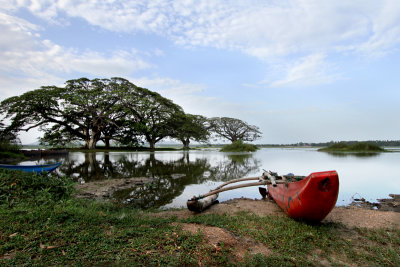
{"type": "Point", "coordinates": [112, 109]}
{"type": "Point", "coordinates": [8, 140]}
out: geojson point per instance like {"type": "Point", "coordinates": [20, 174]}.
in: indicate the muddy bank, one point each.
{"type": "Point", "coordinates": [384, 204]}
{"type": "Point", "coordinates": [103, 190]}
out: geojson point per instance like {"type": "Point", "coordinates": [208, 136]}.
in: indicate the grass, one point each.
{"type": "Point", "coordinates": [9, 151]}
{"type": "Point", "coordinates": [12, 155]}
{"type": "Point", "coordinates": [42, 224]}
{"type": "Point", "coordinates": [239, 146]}
{"type": "Point", "coordinates": [357, 147]}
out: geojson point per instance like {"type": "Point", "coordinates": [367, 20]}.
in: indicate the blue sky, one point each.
{"type": "Point", "coordinates": [301, 70]}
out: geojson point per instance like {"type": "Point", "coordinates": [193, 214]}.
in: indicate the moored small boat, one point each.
{"type": "Point", "coordinates": [310, 199]}
{"type": "Point", "coordinates": [32, 168]}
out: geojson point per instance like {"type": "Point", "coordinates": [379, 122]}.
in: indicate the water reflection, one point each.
{"type": "Point", "coordinates": [169, 174]}
{"type": "Point", "coordinates": [176, 175]}
{"type": "Point", "coordinates": [236, 166]}
{"type": "Point", "coordinates": [354, 154]}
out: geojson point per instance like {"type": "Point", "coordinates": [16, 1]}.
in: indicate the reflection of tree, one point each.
{"type": "Point", "coordinates": [91, 168]}
{"type": "Point", "coordinates": [168, 177]}
{"type": "Point", "coordinates": [163, 188]}
{"type": "Point", "coordinates": [235, 166]}
{"type": "Point", "coordinates": [354, 154]}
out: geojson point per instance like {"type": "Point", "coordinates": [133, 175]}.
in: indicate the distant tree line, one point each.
{"type": "Point", "coordinates": [386, 143]}
{"type": "Point", "coordinates": [112, 110]}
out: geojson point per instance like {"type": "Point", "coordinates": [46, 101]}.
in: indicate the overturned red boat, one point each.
{"type": "Point", "coordinates": [310, 199]}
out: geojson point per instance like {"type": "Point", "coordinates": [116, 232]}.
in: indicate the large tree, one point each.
{"type": "Point", "coordinates": [234, 129]}
{"type": "Point", "coordinates": [93, 110]}
{"type": "Point", "coordinates": [80, 110]}
{"type": "Point", "coordinates": [191, 127]}
{"type": "Point", "coordinates": [154, 117]}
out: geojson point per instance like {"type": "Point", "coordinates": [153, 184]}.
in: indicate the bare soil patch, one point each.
{"type": "Point", "coordinates": [349, 216]}
{"type": "Point", "coordinates": [219, 238]}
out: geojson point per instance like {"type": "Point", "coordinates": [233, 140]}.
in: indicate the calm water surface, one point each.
{"type": "Point", "coordinates": [177, 176]}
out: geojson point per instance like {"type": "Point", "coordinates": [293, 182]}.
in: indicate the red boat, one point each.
{"type": "Point", "coordinates": [310, 199]}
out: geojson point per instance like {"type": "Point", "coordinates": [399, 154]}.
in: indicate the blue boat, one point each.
{"type": "Point", "coordinates": [32, 168]}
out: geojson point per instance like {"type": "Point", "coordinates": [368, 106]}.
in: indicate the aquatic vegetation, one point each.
{"type": "Point", "coordinates": [239, 146]}
{"type": "Point", "coordinates": [356, 147]}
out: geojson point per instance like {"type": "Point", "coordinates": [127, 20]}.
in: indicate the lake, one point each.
{"type": "Point", "coordinates": [176, 176]}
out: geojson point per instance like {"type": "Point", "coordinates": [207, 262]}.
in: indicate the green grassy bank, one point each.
{"type": "Point", "coordinates": [42, 224]}
{"type": "Point", "coordinates": [239, 146]}
{"type": "Point", "coordinates": [357, 147]}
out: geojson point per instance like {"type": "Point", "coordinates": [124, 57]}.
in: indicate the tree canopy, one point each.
{"type": "Point", "coordinates": [234, 129]}
{"type": "Point", "coordinates": [191, 127]}
{"type": "Point", "coordinates": [114, 109]}
{"type": "Point", "coordinates": [78, 111]}
{"type": "Point", "coordinates": [92, 110]}
{"type": "Point", "coordinates": [150, 115]}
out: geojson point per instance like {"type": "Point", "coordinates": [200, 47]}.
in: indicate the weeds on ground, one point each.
{"type": "Point", "coordinates": [42, 224]}
{"type": "Point", "coordinates": [301, 243]}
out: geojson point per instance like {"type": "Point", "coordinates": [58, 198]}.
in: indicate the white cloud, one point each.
{"type": "Point", "coordinates": [169, 85]}
{"type": "Point", "coordinates": [27, 60]}
{"type": "Point", "coordinates": [272, 31]}
{"type": "Point", "coordinates": [307, 71]}
{"type": "Point", "coordinates": [16, 33]}
{"type": "Point", "coordinates": [385, 31]}
{"type": "Point", "coordinates": [191, 97]}
{"type": "Point", "coordinates": [262, 29]}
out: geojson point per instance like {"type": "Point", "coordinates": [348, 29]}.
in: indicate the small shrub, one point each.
{"type": "Point", "coordinates": [356, 147]}
{"type": "Point", "coordinates": [239, 146]}
{"type": "Point", "coordinates": [7, 145]}
{"type": "Point", "coordinates": [365, 146]}
{"type": "Point", "coordinates": [340, 145]}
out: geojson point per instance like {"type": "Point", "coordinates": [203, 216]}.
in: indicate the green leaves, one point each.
{"type": "Point", "coordinates": [190, 127]}
{"type": "Point", "coordinates": [234, 129]}
{"type": "Point", "coordinates": [92, 110]}
{"type": "Point", "coordinates": [96, 110]}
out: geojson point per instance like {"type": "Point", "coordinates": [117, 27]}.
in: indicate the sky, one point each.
{"type": "Point", "coordinates": [300, 70]}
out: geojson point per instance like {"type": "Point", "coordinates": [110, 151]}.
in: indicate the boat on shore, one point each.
{"type": "Point", "coordinates": [308, 198]}
{"type": "Point", "coordinates": [311, 198]}
{"type": "Point", "coordinates": [33, 168]}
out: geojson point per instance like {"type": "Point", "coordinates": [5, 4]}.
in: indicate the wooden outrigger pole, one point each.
{"type": "Point", "coordinates": [200, 203]}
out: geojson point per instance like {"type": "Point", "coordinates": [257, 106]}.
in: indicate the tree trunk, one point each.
{"type": "Point", "coordinates": [152, 144]}
{"type": "Point", "coordinates": [107, 142]}
{"type": "Point", "coordinates": [94, 138]}
{"type": "Point", "coordinates": [87, 143]}
{"type": "Point", "coordinates": [92, 144]}
{"type": "Point", "coordinates": [185, 143]}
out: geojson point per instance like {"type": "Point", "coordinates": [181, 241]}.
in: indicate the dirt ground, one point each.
{"type": "Point", "coordinates": [215, 236]}
{"type": "Point", "coordinates": [359, 214]}
{"type": "Point", "coordinates": [349, 216]}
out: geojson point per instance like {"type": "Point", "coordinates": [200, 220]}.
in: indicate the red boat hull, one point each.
{"type": "Point", "coordinates": [310, 199]}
